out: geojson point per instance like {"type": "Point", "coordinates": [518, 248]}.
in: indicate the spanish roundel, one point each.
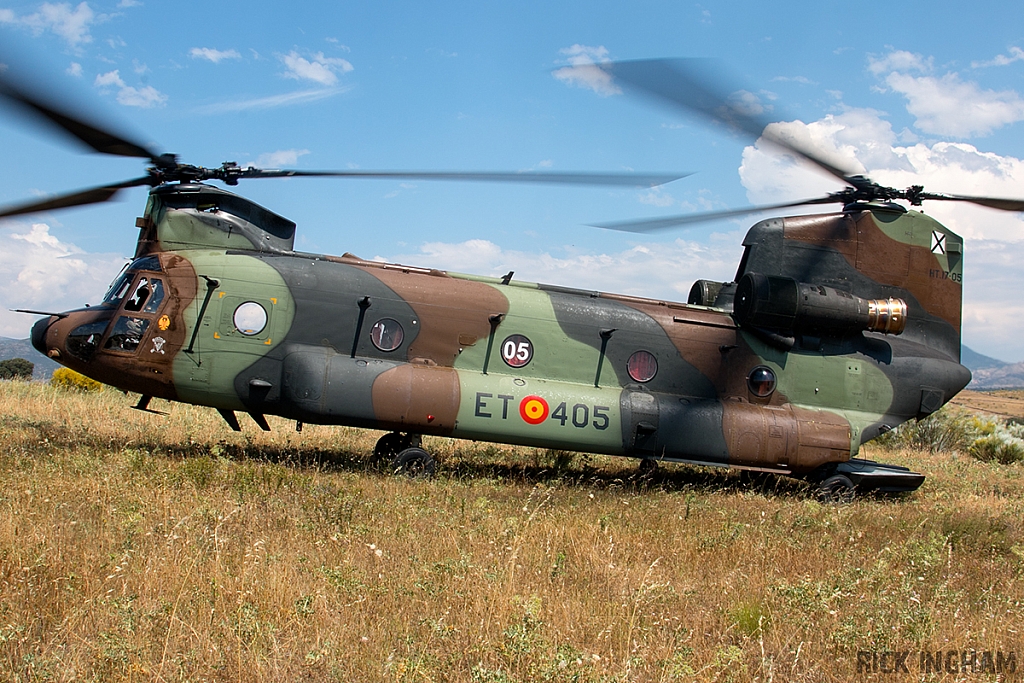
{"type": "Point", "coordinates": [533, 410]}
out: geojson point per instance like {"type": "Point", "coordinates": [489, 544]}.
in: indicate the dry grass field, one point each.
{"type": "Point", "coordinates": [139, 547]}
{"type": "Point", "coordinates": [1002, 402]}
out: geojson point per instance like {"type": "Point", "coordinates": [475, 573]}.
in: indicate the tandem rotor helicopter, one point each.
{"type": "Point", "coordinates": [836, 328]}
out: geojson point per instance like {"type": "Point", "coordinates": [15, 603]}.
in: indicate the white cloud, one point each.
{"type": "Point", "coordinates": [127, 95]}
{"type": "Point", "coordinates": [861, 140]}
{"type": "Point", "coordinates": [282, 158]}
{"type": "Point", "coordinates": [899, 60]}
{"type": "Point", "coordinates": [212, 55]}
{"type": "Point", "coordinates": [320, 69]}
{"type": "Point", "coordinates": [59, 18]}
{"type": "Point", "coordinates": [993, 309]}
{"type": "Point", "coordinates": [40, 272]}
{"type": "Point", "coordinates": [946, 105]}
{"type": "Point", "coordinates": [950, 106]}
{"type": "Point", "coordinates": [129, 3]}
{"type": "Point", "coordinates": [583, 71]}
{"type": "Point", "coordinates": [802, 80]}
{"type": "Point", "coordinates": [656, 196]}
{"type": "Point", "coordinates": [656, 269]}
{"type": "Point", "coordinates": [1016, 54]}
{"type": "Point", "coordinates": [75, 69]}
{"type": "Point", "coordinates": [283, 100]}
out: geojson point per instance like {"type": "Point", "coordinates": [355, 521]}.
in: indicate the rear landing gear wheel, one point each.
{"type": "Point", "coordinates": [415, 463]}
{"type": "Point", "coordinates": [837, 489]}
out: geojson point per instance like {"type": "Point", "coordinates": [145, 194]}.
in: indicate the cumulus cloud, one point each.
{"type": "Point", "coordinates": [946, 105]}
{"type": "Point", "coordinates": [320, 69]}
{"type": "Point", "coordinates": [212, 55]}
{"type": "Point", "coordinates": [1016, 54]}
{"type": "Point", "coordinates": [144, 97]}
{"type": "Point", "coordinates": [865, 142]}
{"type": "Point", "coordinates": [58, 18]}
{"type": "Point", "coordinates": [39, 271]}
{"type": "Point", "coordinates": [583, 72]}
{"type": "Point", "coordinates": [282, 158]}
{"type": "Point", "coordinates": [75, 69]}
{"type": "Point", "coordinates": [661, 270]}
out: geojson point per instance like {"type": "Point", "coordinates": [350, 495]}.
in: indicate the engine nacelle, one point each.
{"type": "Point", "coordinates": [782, 303]}
{"type": "Point", "coordinates": [712, 293]}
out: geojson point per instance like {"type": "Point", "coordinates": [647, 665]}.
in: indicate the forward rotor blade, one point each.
{"type": "Point", "coordinates": [567, 178]}
{"type": "Point", "coordinates": [94, 195]}
{"type": "Point", "coordinates": [696, 86]}
{"type": "Point", "coordinates": [101, 139]}
{"type": "Point", "coordinates": [653, 224]}
{"type": "Point", "coordinates": [991, 202]}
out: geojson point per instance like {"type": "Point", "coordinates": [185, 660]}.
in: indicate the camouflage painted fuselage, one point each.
{"type": "Point", "coordinates": [243, 323]}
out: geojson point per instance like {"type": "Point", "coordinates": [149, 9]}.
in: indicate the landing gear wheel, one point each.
{"type": "Point", "coordinates": [390, 445]}
{"type": "Point", "coordinates": [647, 468]}
{"type": "Point", "coordinates": [415, 463]}
{"type": "Point", "coordinates": [837, 489]}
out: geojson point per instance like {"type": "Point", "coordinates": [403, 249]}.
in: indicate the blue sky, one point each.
{"type": "Point", "coordinates": [910, 92]}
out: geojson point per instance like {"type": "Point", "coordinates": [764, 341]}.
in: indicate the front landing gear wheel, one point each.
{"type": "Point", "coordinates": [837, 489]}
{"type": "Point", "coordinates": [647, 468]}
{"type": "Point", "coordinates": [415, 463]}
{"type": "Point", "coordinates": [390, 445]}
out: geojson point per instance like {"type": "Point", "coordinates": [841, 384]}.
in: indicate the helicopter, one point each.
{"type": "Point", "coordinates": [836, 328]}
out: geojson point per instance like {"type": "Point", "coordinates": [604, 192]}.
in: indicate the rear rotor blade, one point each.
{"type": "Point", "coordinates": [991, 202]}
{"type": "Point", "coordinates": [567, 178]}
{"type": "Point", "coordinates": [94, 195]}
{"type": "Point", "coordinates": [654, 224]}
{"type": "Point", "coordinates": [696, 86]}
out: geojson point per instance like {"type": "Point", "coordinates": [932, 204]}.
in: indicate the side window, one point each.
{"type": "Point", "coordinates": [387, 334]}
{"type": "Point", "coordinates": [245, 318]}
{"type": "Point", "coordinates": [127, 334]}
{"type": "Point", "coordinates": [85, 339]}
{"type": "Point", "coordinates": [156, 296]}
{"type": "Point", "coordinates": [139, 295]}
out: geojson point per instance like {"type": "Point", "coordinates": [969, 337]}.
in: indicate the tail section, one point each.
{"type": "Point", "coordinates": [876, 254]}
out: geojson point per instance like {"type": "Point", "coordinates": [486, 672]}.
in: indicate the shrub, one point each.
{"type": "Point", "coordinates": [65, 378]}
{"type": "Point", "coordinates": [946, 430]}
{"type": "Point", "coordinates": [987, 439]}
{"type": "Point", "coordinates": [16, 368]}
{"type": "Point", "coordinates": [998, 447]}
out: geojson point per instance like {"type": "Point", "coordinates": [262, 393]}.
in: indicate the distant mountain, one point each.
{"type": "Point", "coordinates": [991, 373]}
{"type": "Point", "coordinates": [22, 348]}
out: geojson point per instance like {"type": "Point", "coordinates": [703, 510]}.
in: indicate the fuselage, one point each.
{"type": "Point", "coordinates": [205, 316]}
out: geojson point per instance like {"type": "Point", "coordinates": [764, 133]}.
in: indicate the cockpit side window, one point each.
{"type": "Point", "coordinates": [156, 296]}
{"type": "Point", "coordinates": [139, 295]}
{"type": "Point", "coordinates": [127, 334]}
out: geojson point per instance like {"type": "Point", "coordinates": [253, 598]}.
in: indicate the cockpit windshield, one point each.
{"type": "Point", "coordinates": [118, 289]}
{"type": "Point", "coordinates": [123, 282]}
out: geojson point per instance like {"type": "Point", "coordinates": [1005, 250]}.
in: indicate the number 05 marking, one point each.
{"type": "Point", "coordinates": [516, 351]}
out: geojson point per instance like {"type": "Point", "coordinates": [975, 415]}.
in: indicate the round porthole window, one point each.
{"type": "Point", "coordinates": [250, 318]}
{"type": "Point", "coordinates": [387, 334]}
{"type": "Point", "coordinates": [642, 366]}
{"type": "Point", "coordinates": [761, 381]}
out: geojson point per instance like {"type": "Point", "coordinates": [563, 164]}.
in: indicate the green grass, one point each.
{"type": "Point", "coordinates": [139, 547]}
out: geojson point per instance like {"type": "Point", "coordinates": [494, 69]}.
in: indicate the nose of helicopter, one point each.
{"type": "Point", "coordinates": [39, 333]}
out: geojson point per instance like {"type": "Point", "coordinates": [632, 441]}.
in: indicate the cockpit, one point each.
{"type": "Point", "coordinates": [133, 301]}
